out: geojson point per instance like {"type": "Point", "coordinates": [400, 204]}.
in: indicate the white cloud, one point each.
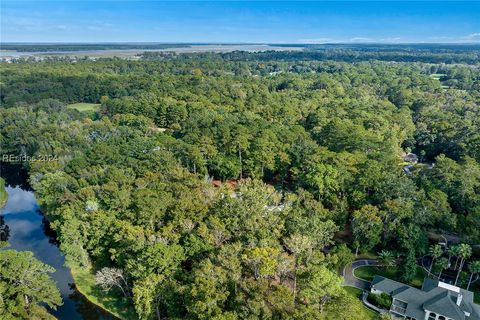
{"type": "Point", "coordinates": [317, 40]}
{"type": "Point", "coordinates": [19, 201]}
{"type": "Point", "coordinates": [391, 40]}
{"type": "Point", "coordinates": [473, 36]}
{"type": "Point", "coordinates": [361, 39]}
{"type": "Point", "coordinates": [469, 38]}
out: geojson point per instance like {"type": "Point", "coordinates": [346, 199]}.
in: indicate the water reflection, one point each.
{"type": "Point", "coordinates": [27, 230]}
{"type": "Point", "coordinates": [15, 175]}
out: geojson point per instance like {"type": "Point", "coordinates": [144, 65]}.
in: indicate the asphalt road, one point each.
{"type": "Point", "coordinates": [351, 280]}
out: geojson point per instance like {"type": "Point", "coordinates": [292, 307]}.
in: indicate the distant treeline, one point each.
{"type": "Point", "coordinates": [40, 47]}
{"type": "Point", "coordinates": [467, 54]}
{"type": "Point", "coordinates": [430, 47]}
{"type": "Point", "coordinates": [426, 53]}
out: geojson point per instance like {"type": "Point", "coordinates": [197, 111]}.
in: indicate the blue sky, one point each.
{"type": "Point", "coordinates": [252, 21]}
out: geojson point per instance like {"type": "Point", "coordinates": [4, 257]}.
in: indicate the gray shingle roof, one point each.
{"type": "Point", "coordinates": [431, 297]}
{"type": "Point", "coordinates": [443, 303]}
{"type": "Point", "coordinates": [387, 285]}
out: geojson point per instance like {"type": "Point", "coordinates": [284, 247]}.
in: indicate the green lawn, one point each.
{"type": "Point", "coordinates": [368, 272]}
{"type": "Point", "coordinates": [357, 293]}
{"type": "Point", "coordinates": [84, 107]}
{"type": "Point", "coordinates": [437, 76]}
{"type": "Point", "coordinates": [353, 291]}
{"type": "Point", "coordinates": [3, 193]}
{"type": "Point", "coordinates": [113, 303]}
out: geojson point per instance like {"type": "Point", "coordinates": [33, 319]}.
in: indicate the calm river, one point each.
{"type": "Point", "coordinates": [29, 231]}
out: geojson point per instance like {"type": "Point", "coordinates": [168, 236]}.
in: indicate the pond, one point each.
{"type": "Point", "coordinates": [28, 230]}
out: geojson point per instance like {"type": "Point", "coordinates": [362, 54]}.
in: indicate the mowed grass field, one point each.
{"type": "Point", "coordinates": [437, 76]}
{"type": "Point", "coordinates": [85, 107]}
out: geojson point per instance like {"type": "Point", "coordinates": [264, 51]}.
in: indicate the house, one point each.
{"type": "Point", "coordinates": [435, 301]}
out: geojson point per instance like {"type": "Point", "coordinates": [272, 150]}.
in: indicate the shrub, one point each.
{"type": "Point", "coordinates": [382, 300]}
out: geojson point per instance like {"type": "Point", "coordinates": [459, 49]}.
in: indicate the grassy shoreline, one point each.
{"type": "Point", "coordinates": [110, 302]}
{"type": "Point", "coordinates": [3, 194]}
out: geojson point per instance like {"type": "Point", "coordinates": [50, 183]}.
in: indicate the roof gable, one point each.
{"type": "Point", "coordinates": [432, 297]}
{"type": "Point", "coordinates": [443, 304]}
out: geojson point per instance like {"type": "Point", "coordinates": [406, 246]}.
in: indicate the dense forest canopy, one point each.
{"type": "Point", "coordinates": [310, 145]}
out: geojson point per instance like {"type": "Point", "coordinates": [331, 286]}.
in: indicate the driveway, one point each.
{"type": "Point", "coordinates": [351, 280]}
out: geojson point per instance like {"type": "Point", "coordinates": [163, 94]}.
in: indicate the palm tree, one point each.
{"type": "Point", "coordinates": [386, 258]}
{"type": "Point", "coordinates": [442, 263]}
{"type": "Point", "coordinates": [453, 252]}
{"type": "Point", "coordinates": [474, 268]}
{"type": "Point", "coordinates": [435, 252]}
{"type": "Point", "coordinates": [464, 252]}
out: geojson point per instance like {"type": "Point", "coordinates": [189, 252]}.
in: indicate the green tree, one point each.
{"type": "Point", "coordinates": [150, 296]}
{"type": "Point", "coordinates": [367, 227]}
{"type": "Point", "coordinates": [409, 267]}
{"type": "Point", "coordinates": [153, 271]}
{"type": "Point", "coordinates": [474, 268]}
{"type": "Point", "coordinates": [464, 252]}
{"type": "Point", "coordinates": [323, 179]}
{"type": "Point", "coordinates": [301, 248]}
{"type": "Point", "coordinates": [386, 258]}
{"type": "Point", "coordinates": [343, 255]}
{"type": "Point", "coordinates": [262, 261]}
{"type": "Point", "coordinates": [435, 252]}
{"type": "Point", "coordinates": [386, 316]}
{"type": "Point", "coordinates": [453, 251]}
{"type": "Point", "coordinates": [318, 285]}
{"type": "Point", "coordinates": [206, 294]}
{"type": "Point", "coordinates": [25, 286]}
{"type": "Point", "coordinates": [441, 265]}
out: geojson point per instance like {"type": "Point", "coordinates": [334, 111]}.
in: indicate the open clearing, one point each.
{"type": "Point", "coordinates": [83, 107]}
{"type": "Point", "coordinates": [437, 76]}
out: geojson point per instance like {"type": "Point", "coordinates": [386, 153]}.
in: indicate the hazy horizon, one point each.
{"type": "Point", "coordinates": [251, 22]}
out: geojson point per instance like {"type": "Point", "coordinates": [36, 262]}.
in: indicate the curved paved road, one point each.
{"type": "Point", "coordinates": [351, 280]}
